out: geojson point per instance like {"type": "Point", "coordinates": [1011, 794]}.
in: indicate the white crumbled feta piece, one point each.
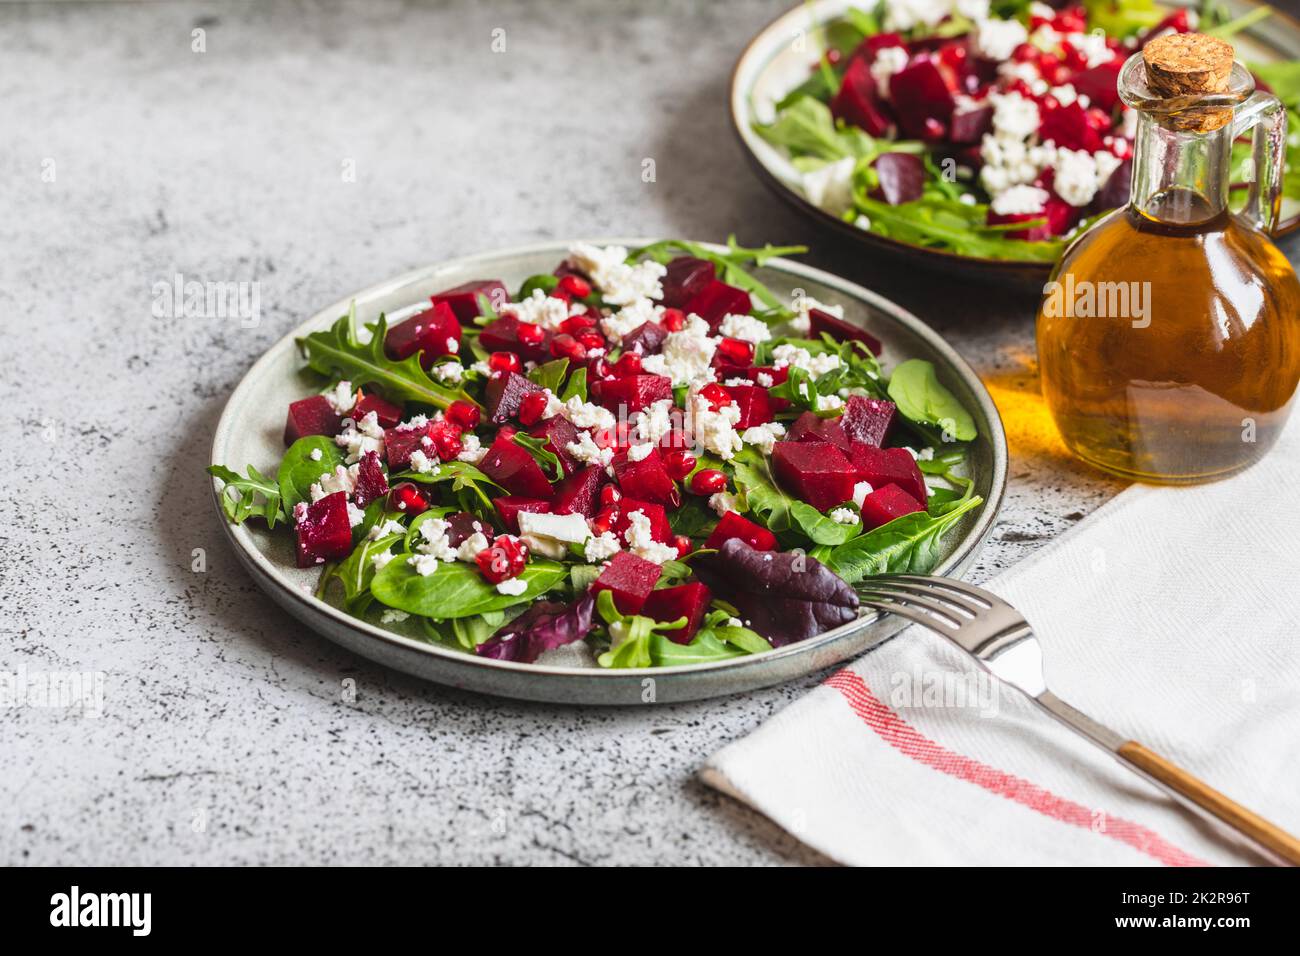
{"type": "Point", "coordinates": [722, 502]}
{"type": "Point", "coordinates": [764, 379]}
{"type": "Point", "coordinates": [342, 397]}
{"type": "Point", "coordinates": [1042, 11]}
{"type": "Point", "coordinates": [860, 492]}
{"type": "Point", "coordinates": [654, 421]}
{"type": "Point", "coordinates": [435, 543]}
{"type": "Point", "coordinates": [383, 529]}
{"type": "Point", "coordinates": [513, 586]}
{"type": "Point", "coordinates": [357, 438]}
{"type": "Point", "coordinates": [685, 355]}
{"type": "Point", "coordinates": [586, 415]}
{"type": "Point", "coordinates": [1046, 38]}
{"type": "Point", "coordinates": [1010, 162]}
{"type": "Point", "coordinates": [1019, 200]}
{"type": "Point", "coordinates": [471, 449]}
{"type": "Point", "coordinates": [745, 327]}
{"type": "Point", "coordinates": [1014, 116]}
{"type": "Point", "coordinates": [630, 318]}
{"type": "Point", "coordinates": [1091, 45]}
{"type": "Point", "coordinates": [539, 309]}
{"type": "Point", "coordinates": [355, 515]}
{"type": "Point", "coordinates": [601, 547]}
{"type": "Point", "coordinates": [888, 61]}
{"type": "Point", "coordinates": [816, 365]}
{"type": "Point", "coordinates": [1079, 174]}
{"type": "Point", "coordinates": [449, 373]}
{"type": "Point", "coordinates": [763, 437]}
{"type": "Point", "coordinates": [420, 462]}
{"type": "Point", "coordinates": [844, 516]}
{"type": "Point", "coordinates": [316, 454]}
{"type": "Point", "coordinates": [340, 479]}
{"type": "Point", "coordinates": [906, 14]}
{"type": "Point", "coordinates": [380, 561]}
{"type": "Point", "coordinates": [619, 282]}
{"type": "Point", "coordinates": [640, 452]}
{"type": "Point", "coordinates": [424, 564]}
{"type": "Point", "coordinates": [587, 451]}
{"type": "Point", "coordinates": [393, 616]}
{"type": "Point", "coordinates": [996, 39]}
{"type": "Point", "coordinates": [642, 544]}
{"type": "Point", "coordinates": [1065, 94]}
{"type": "Point", "coordinates": [974, 10]}
{"type": "Point", "coordinates": [714, 430]}
{"type": "Point", "coordinates": [830, 187]}
{"type": "Point", "coordinates": [829, 402]}
{"type": "Point", "coordinates": [551, 535]}
{"type": "Point", "coordinates": [481, 368]}
{"type": "Point", "coordinates": [472, 547]}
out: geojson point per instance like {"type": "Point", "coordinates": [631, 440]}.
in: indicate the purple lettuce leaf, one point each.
{"type": "Point", "coordinates": [786, 597]}
{"type": "Point", "coordinates": [543, 627]}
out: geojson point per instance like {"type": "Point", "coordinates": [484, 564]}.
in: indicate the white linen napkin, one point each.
{"type": "Point", "coordinates": [1169, 615]}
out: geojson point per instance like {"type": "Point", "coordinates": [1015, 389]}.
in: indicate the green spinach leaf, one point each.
{"type": "Point", "coordinates": [908, 544]}
{"type": "Point", "coordinates": [456, 589]}
{"type": "Point", "coordinates": [299, 470]}
{"type": "Point", "coordinates": [916, 390]}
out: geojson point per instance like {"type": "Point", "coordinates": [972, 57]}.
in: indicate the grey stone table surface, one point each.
{"type": "Point", "coordinates": [137, 150]}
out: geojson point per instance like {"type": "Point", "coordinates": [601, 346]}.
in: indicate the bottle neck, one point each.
{"type": "Point", "coordinates": [1180, 177]}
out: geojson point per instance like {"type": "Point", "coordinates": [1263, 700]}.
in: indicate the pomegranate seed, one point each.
{"type": "Point", "coordinates": [605, 519]}
{"type": "Point", "coordinates": [1020, 86]}
{"type": "Point", "coordinates": [674, 320]}
{"type": "Point", "coordinates": [566, 346]}
{"type": "Point", "coordinates": [679, 463]}
{"type": "Point", "coordinates": [1036, 22]}
{"type": "Point", "coordinates": [560, 294]}
{"type": "Point", "coordinates": [953, 56]}
{"type": "Point", "coordinates": [674, 439]}
{"type": "Point", "coordinates": [531, 408]}
{"type": "Point", "coordinates": [610, 495]}
{"type": "Point", "coordinates": [407, 499]}
{"type": "Point", "coordinates": [577, 323]}
{"type": "Point", "coordinates": [628, 364]}
{"type": "Point", "coordinates": [507, 433]}
{"type": "Point", "coordinates": [505, 362]}
{"type": "Point", "coordinates": [506, 559]}
{"type": "Point", "coordinates": [1075, 58]}
{"type": "Point", "coordinates": [591, 340]}
{"type": "Point", "coordinates": [446, 439]}
{"type": "Point", "coordinates": [465, 414]}
{"type": "Point", "coordinates": [708, 481]}
{"type": "Point", "coordinates": [1068, 22]}
{"type": "Point", "coordinates": [576, 286]}
{"type": "Point", "coordinates": [933, 130]}
{"type": "Point", "coordinates": [716, 395]}
{"type": "Point", "coordinates": [683, 545]}
{"type": "Point", "coordinates": [530, 334]}
{"type": "Point", "coordinates": [1025, 53]}
{"type": "Point", "coordinates": [599, 369]}
{"type": "Point", "coordinates": [1098, 119]}
{"type": "Point", "coordinates": [737, 352]}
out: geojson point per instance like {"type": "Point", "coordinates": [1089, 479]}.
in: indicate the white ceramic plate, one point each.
{"type": "Point", "coordinates": [251, 426]}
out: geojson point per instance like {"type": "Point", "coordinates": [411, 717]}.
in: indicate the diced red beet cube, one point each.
{"type": "Point", "coordinates": [754, 403]}
{"type": "Point", "coordinates": [463, 299]}
{"type": "Point", "coordinates": [432, 333]}
{"type": "Point", "coordinates": [686, 277]}
{"type": "Point", "coordinates": [634, 392]}
{"type": "Point", "coordinates": [969, 126]}
{"type": "Point", "coordinates": [646, 480]}
{"type": "Point", "coordinates": [462, 524]}
{"type": "Point", "coordinates": [1068, 126]}
{"type": "Point", "coordinates": [371, 481]}
{"type": "Point", "coordinates": [1100, 83]}
{"type": "Point", "coordinates": [504, 392]}
{"type": "Point", "coordinates": [868, 420]}
{"type": "Point", "coordinates": [1116, 191]}
{"type": "Point", "coordinates": [820, 321]}
{"type": "Point", "coordinates": [716, 301]}
{"type": "Point", "coordinates": [311, 416]}
{"type": "Point", "coordinates": [815, 472]}
{"type": "Point", "coordinates": [503, 336]}
{"type": "Point", "coordinates": [580, 492]}
{"type": "Point", "coordinates": [889, 466]}
{"type": "Point", "coordinates": [900, 175]}
{"type": "Point", "coordinates": [645, 339]}
{"type": "Point", "coordinates": [810, 427]}
{"type": "Point", "coordinates": [558, 433]}
{"type": "Point", "coordinates": [630, 579]}
{"type": "Point", "coordinates": [885, 504]}
{"type": "Point", "coordinates": [919, 93]}
{"type": "Point", "coordinates": [690, 601]}
{"type": "Point", "coordinates": [509, 506]}
{"type": "Point", "coordinates": [515, 470]}
{"type": "Point", "coordinates": [400, 442]}
{"type": "Point", "coordinates": [733, 525]}
{"type": "Point", "coordinates": [858, 101]}
{"type": "Point", "coordinates": [386, 413]}
{"type": "Point", "coordinates": [324, 532]}
{"type": "Point", "coordinates": [660, 530]}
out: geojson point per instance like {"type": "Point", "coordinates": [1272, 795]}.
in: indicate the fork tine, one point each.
{"type": "Point", "coordinates": [971, 609]}
{"type": "Point", "coordinates": [891, 600]}
{"type": "Point", "coordinates": [986, 598]}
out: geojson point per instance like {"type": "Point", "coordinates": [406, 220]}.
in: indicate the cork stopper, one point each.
{"type": "Point", "coordinates": [1190, 65]}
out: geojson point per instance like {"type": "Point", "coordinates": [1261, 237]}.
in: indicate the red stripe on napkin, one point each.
{"type": "Point", "coordinates": [903, 737]}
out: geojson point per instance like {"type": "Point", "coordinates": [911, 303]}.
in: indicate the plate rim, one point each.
{"type": "Point", "coordinates": [266, 572]}
{"type": "Point", "coordinates": [992, 268]}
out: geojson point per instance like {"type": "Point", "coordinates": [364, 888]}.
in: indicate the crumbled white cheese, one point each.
{"type": "Point", "coordinates": [361, 437]}
{"type": "Point", "coordinates": [630, 318]}
{"type": "Point", "coordinates": [888, 61]}
{"type": "Point", "coordinates": [844, 516]}
{"type": "Point", "coordinates": [513, 586]}
{"type": "Point", "coordinates": [471, 449]}
{"type": "Point", "coordinates": [380, 561]}
{"type": "Point", "coordinates": [539, 309]}
{"type": "Point", "coordinates": [472, 547]}
{"type": "Point", "coordinates": [763, 437]}
{"type": "Point", "coordinates": [382, 529]}
{"type": "Point", "coordinates": [654, 421]}
{"type": "Point", "coordinates": [342, 397]}
{"type": "Point", "coordinates": [1091, 45]}
{"type": "Point", "coordinates": [586, 415]}
{"type": "Point", "coordinates": [860, 492]}
{"type": "Point", "coordinates": [747, 328]}
{"type": "Point", "coordinates": [905, 14]}
{"type": "Point", "coordinates": [974, 10]}
{"type": "Point", "coordinates": [1019, 200]}
{"type": "Point", "coordinates": [316, 454]}
{"type": "Point", "coordinates": [393, 616]}
{"type": "Point", "coordinates": [449, 373]}
{"type": "Point", "coordinates": [642, 544]}
{"type": "Point", "coordinates": [436, 543]}
{"type": "Point", "coordinates": [550, 534]}
{"type": "Point", "coordinates": [587, 451]}
{"type": "Point", "coordinates": [829, 402]}
{"type": "Point", "coordinates": [1079, 174]}
{"type": "Point", "coordinates": [421, 463]}
{"type": "Point", "coordinates": [1046, 38]}
{"type": "Point", "coordinates": [340, 479]}
{"type": "Point", "coordinates": [686, 355]}
{"type": "Point", "coordinates": [355, 515]}
{"type": "Point", "coordinates": [792, 355]}
{"type": "Point", "coordinates": [830, 187]}
{"type": "Point", "coordinates": [722, 502]}
{"type": "Point", "coordinates": [997, 39]}
{"type": "Point", "coordinates": [619, 282]}
{"type": "Point", "coordinates": [1014, 116]}
{"type": "Point", "coordinates": [714, 430]}
{"type": "Point", "coordinates": [602, 547]}
{"type": "Point", "coordinates": [764, 379]}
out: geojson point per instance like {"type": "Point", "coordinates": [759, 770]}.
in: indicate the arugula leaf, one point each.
{"type": "Point", "coordinates": [245, 504]}
{"type": "Point", "coordinates": [577, 387]}
{"type": "Point", "coordinates": [299, 471]}
{"type": "Point", "coordinates": [550, 375]}
{"type": "Point", "coordinates": [456, 589]}
{"type": "Point", "coordinates": [753, 476]}
{"type": "Point", "coordinates": [908, 544]}
{"type": "Point", "coordinates": [819, 528]}
{"type": "Point", "coordinates": [916, 390]}
{"type": "Point", "coordinates": [704, 646]}
{"type": "Point", "coordinates": [338, 351]}
{"type": "Point", "coordinates": [806, 127]}
{"type": "Point", "coordinates": [536, 447]}
{"type": "Point", "coordinates": [462, 475]}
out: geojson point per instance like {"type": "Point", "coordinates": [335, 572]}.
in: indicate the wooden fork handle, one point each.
{"type": "Point", "coordinates": [1211, 801]}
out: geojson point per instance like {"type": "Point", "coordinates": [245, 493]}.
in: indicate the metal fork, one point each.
{"type": "Point", "coordinates": [1002, 642]}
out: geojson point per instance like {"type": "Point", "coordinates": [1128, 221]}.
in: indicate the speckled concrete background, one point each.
{"type": "Point", "coordinates": [226, 736]}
